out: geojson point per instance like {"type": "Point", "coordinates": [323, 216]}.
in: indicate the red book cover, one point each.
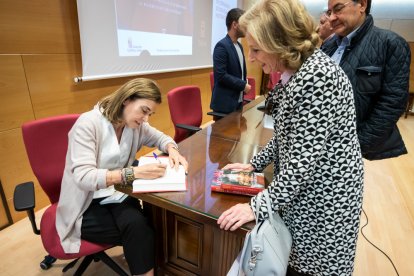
{"type": "Point", "coordinates": [217, 188]}
{"type": "Point", "coordinates": [248, 183]}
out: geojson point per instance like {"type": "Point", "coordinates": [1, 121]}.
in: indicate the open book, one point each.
{"type": "Point", "coordinates": [172, 180]}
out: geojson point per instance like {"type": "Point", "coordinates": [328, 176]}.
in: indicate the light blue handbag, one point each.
{"type": "Point", "coordinates": [266, 247]}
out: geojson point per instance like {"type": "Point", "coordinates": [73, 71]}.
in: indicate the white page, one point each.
{"type": "Point", "coordinates": [172, 180]}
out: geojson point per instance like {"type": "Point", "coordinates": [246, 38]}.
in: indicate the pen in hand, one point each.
{"type": "Point", "coordinates": [156, 157]}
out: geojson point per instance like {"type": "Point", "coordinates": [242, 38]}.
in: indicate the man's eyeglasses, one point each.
{"type": "Point", "coordinates": [337, 9]}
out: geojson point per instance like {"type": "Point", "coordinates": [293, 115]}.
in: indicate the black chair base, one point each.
{"type": "Point", "coordinates": [47, 262]}
{"type": "Point", "coordinates": [101, 256]}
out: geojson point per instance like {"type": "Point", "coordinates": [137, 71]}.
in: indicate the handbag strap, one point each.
{"type": "Point", "coordinates": [272, 213]}
{"type": "Point", "coordinates": [258, 201]}
{"type": "Point", "coordinates": [265, 193]}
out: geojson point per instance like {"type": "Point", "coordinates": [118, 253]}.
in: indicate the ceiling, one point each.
{"type": "Point", "coordinates": [398, 17]}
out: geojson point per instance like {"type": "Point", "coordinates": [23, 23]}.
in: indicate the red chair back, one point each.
{"type": "Point", "coordinates": [46, 142]}
{"type": "Point", "coordinates": [274, 78]}
{"type": "Point", "coordinates": [252, 93]}
{"type": "Point", "coordinates": [185, 108]}
{"type": "Point", "coordinates": [212, 81]}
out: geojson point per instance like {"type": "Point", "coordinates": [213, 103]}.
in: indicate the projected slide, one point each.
{"type": "Point", "coordinates": [219, 13]}
{"type": "Point", "coordinates": [144, 26]}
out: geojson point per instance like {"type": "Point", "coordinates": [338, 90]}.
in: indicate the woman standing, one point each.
{"type": "Point", "coordinates": [102, 146]}
{"type": "Point", "coordinates": [318, 170]}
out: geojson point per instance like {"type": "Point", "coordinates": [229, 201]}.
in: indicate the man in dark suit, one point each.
{"type": "Point", "coordinates": [230, 82]}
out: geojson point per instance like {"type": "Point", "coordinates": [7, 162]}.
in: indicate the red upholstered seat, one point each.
{"type": "Point", "coordinates": [252, 93]}
{"type": "Point", "coordinates": [247, 97]}
{"type": "Point", "coordinates": [46, 142]}
{"type": "Point", "coordinates": [212, 81]}
{"type": "Point", "coordinates": [185, 110]}
{"type": "Point", "coordinates": [51, 242]}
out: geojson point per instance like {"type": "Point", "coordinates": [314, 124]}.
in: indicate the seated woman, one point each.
{"type": "Point", "coordinates": [102, 146]}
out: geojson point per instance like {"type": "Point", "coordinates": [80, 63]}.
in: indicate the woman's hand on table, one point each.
{"type": "Point", "coordinates": [239, 167]}
{"type": "Point", "coordinates": [176, 158]}
{"type": "Point", "coordinates": [235, 217]}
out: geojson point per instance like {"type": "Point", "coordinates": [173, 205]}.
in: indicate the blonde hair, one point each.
{"type": "Point", "coordinates": [283, 28]}
{"type": "Point", "coordinates": [112, 106]}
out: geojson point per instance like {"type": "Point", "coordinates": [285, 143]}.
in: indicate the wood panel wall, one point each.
{"type": "Point", "coordinates": [39, 57]}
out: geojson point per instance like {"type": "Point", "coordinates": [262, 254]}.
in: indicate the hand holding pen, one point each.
{"type": "Point", "coordinates": [151, 171]}
{"type": "Point", "coordinates": [156, 157]}
{"type": "Point", "coordinates": [172, 165]}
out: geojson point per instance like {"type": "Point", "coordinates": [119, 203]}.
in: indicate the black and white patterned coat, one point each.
{"type": "Point", "coordinates": [318, 169]}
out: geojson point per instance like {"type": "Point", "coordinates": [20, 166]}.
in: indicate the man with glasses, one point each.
{"type": "Point", "coordinates": [377, 62]}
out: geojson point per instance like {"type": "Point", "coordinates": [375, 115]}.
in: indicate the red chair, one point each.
{"type": "Point", "coordinates": [185, 110]}
{"type": "Point", "coordinates": [274, 78]}
{"type": "Point", "coordinates": [46, 142]}
{"type": "Point", "coordinates": [211, 81]}
{"type": "Point", "coordinates": [252, 93]}
{"type": "Point", "coordinates": [248, 97]}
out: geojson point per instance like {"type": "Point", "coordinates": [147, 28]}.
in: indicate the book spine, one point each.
{"type": "Point", "coordinates": [243, 189]}
{"type": "Point", "coordinates": [228, 191]}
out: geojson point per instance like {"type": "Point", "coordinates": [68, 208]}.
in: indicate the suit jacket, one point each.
{"type": "Point", "coordinates": [228, 78]}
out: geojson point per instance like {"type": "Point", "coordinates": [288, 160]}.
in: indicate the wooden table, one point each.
{"type": "Point", "coordinates": [245, 127]}
{"type": "Point", "coordinates": [188, 239]}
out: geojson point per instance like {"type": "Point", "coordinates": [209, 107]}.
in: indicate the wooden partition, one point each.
{"type": "Point", "coordinates": [39, 57]}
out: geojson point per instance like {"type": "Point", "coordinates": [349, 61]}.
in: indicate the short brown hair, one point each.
{"type": "Point", "coordinates": [233, 15]}
{"type": "Point", "coordinates": [112, 106]}
{"type": "Point", "coordinates": [283, 28]}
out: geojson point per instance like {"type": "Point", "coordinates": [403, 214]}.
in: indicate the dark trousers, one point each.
{"type": "Point", "coordinates": [121, 224]}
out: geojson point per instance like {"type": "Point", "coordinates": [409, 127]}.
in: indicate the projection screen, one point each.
{"type": "Point", "coordinates": [136, 37]}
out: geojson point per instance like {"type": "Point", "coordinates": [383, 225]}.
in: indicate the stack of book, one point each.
{"type": "Point", "coordinates": [236, 182]}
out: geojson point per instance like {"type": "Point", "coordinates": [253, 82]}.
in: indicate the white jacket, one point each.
{"type": "Point", "coordinates": [83, 174]}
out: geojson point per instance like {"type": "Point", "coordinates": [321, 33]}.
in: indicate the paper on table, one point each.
{"type": "Point", "coordinates": [268, 122]}
{"type": "Point", "coordinates": [172, 180]}
{"type": "Point", "coordinates": [104, 192]}
{"type": "Point", "coordinates": [117, 197]}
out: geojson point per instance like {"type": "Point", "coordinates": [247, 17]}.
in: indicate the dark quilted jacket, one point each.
{"type": "Point", "coordinates": [377, 63]}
